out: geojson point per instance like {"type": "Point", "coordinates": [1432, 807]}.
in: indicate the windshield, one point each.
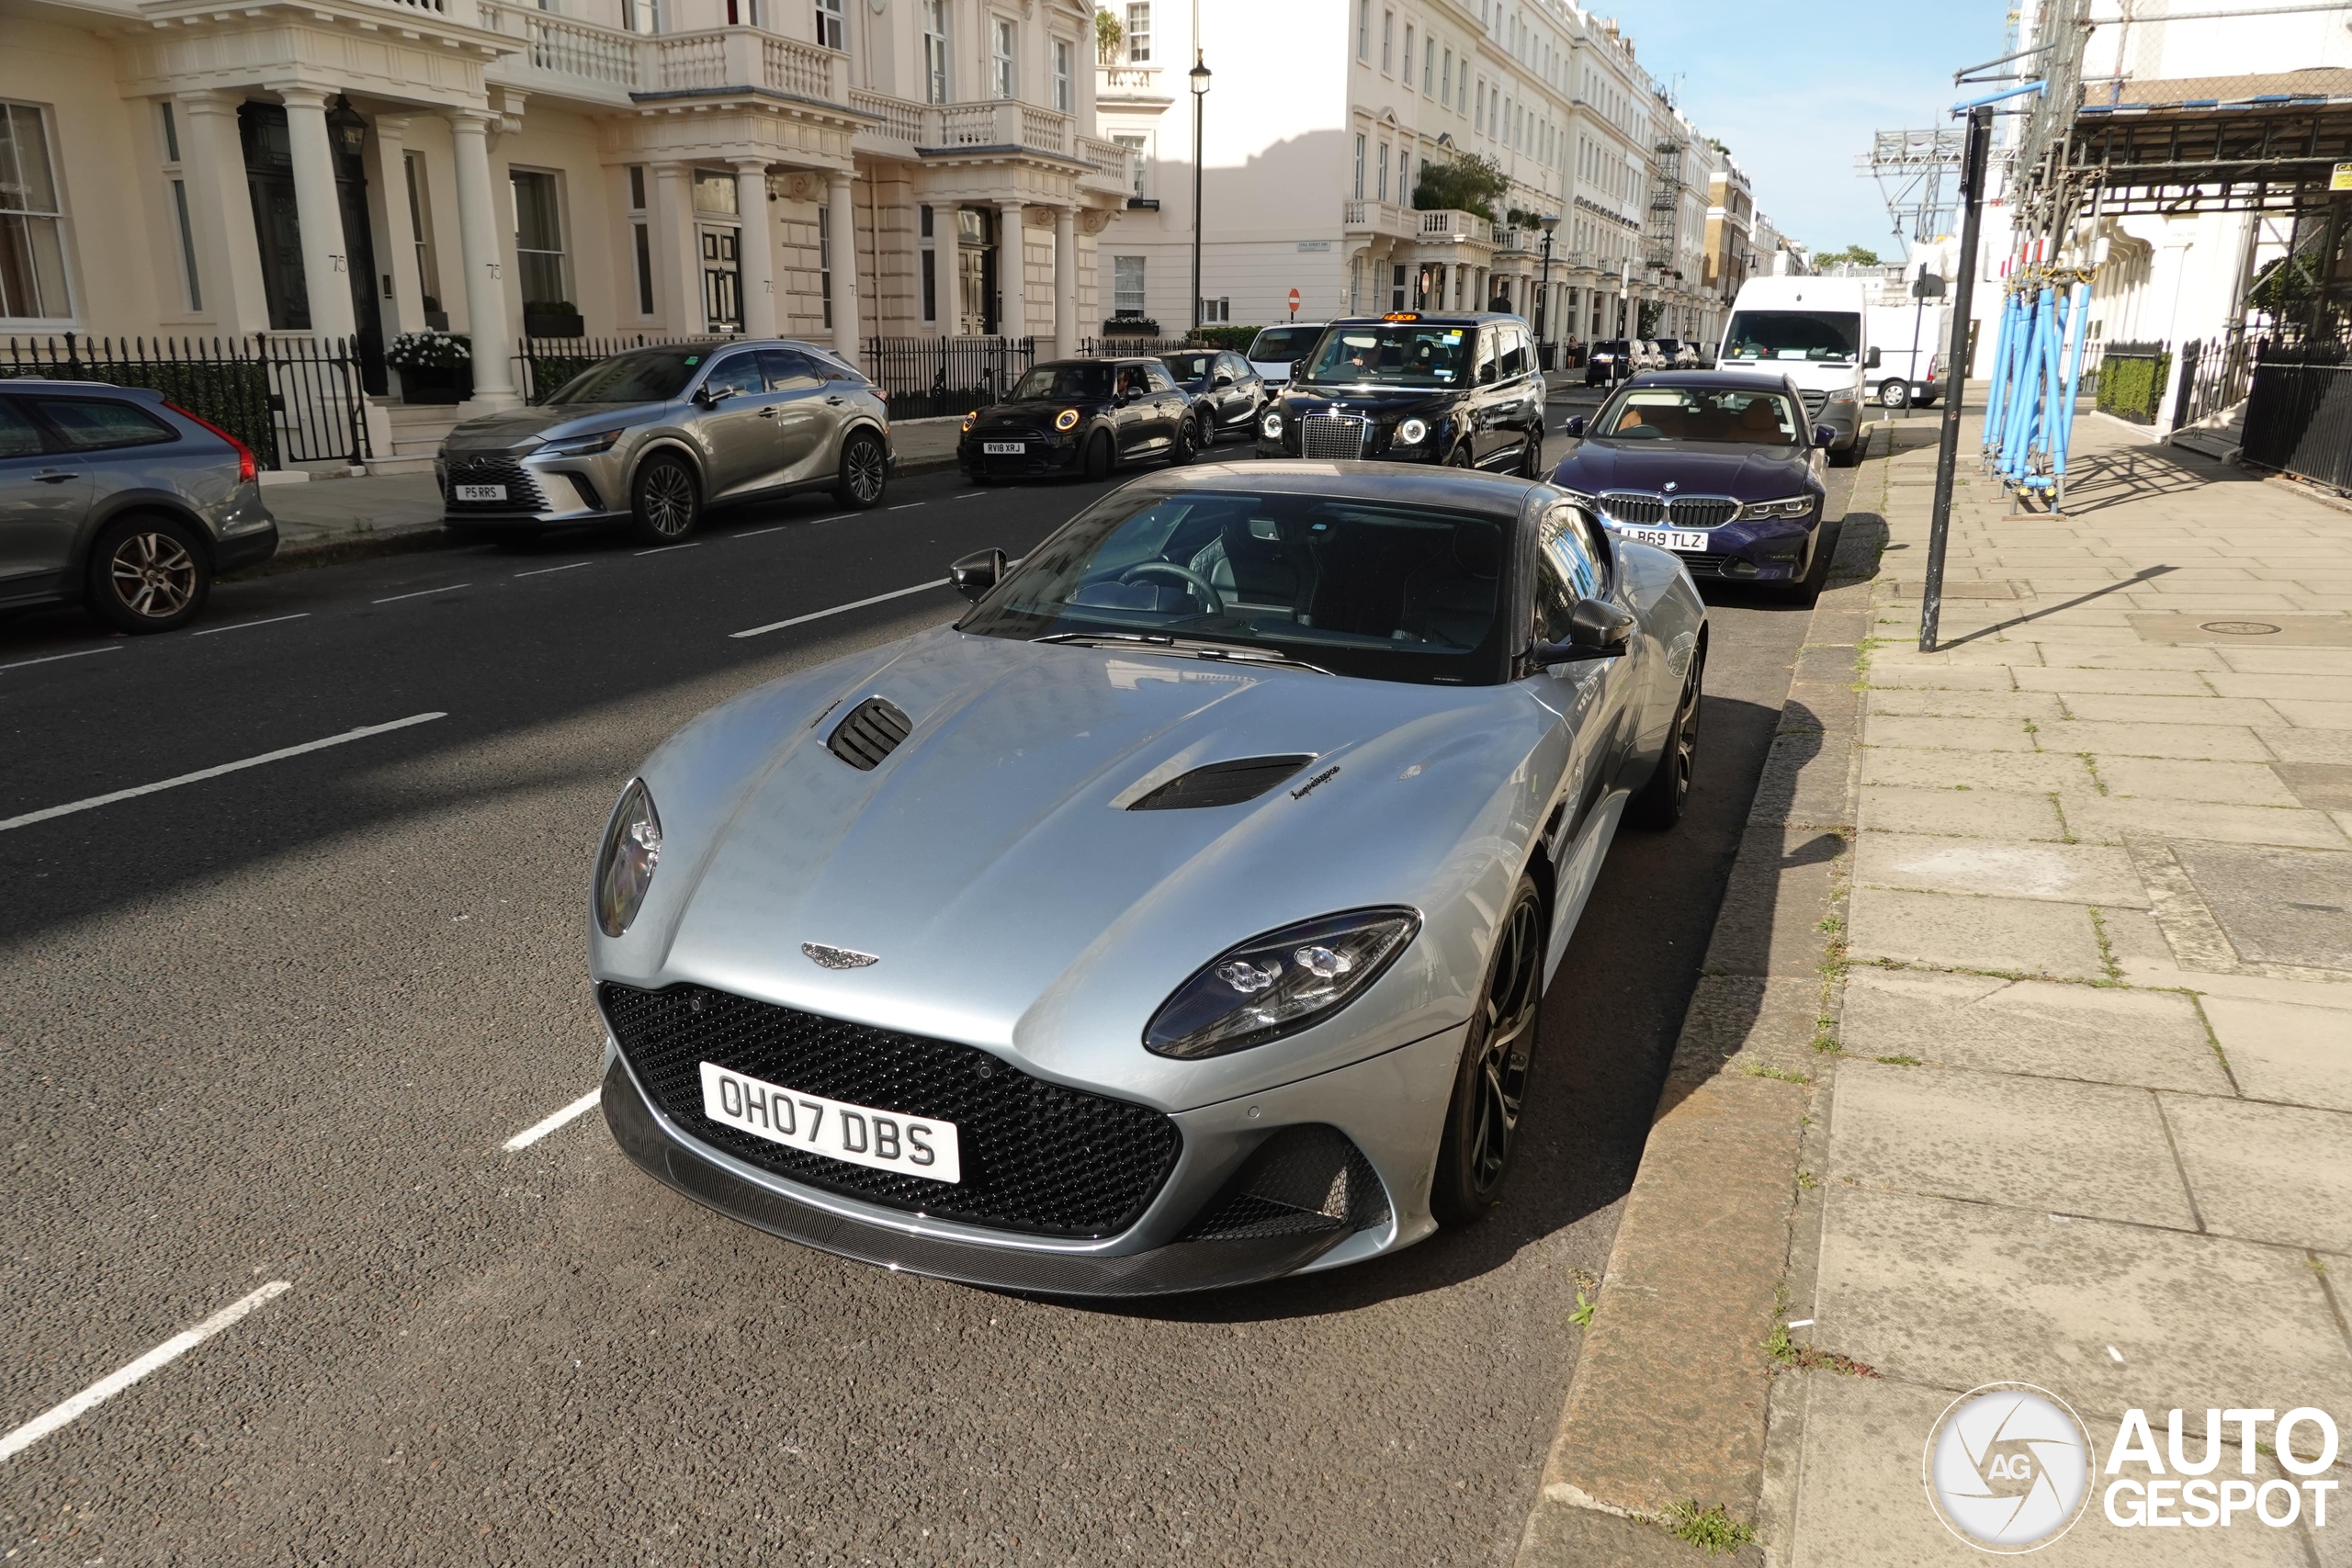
{"type": "Point", "coordinates": [1066, 382]}
{"type": "Point", "coordinates": [1699, 413]}
{"type": "Point", "coordinates": [1282, 345]}
{"type": "Point", "coordinates": [641, 375]}
{"type": "Point", "coordinates": [1359, 588]}
{"type": "Point", "coordinates": [1393, 355]}
{"type": "Point", "coordinates": [1190, 367]}
{"type": "Point", "coordinates": [1793, 334]}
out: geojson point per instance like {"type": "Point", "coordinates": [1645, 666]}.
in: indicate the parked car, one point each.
{"type": "Point", "coordinates": [1225, 386]}
{"type": "Point", "coordinates": [1272, 351]}
{"type": "Point", "coordinates": [1815, 331]}
{"type": "Point", "coordinates": [1719, 467]}
{"type": "Point", "coordinates": [1082, 416]}
{"type": "Point", "coordinates": [1412, 387]}
{"type": "Point", "coordinates": [117, 500]}
{"type": "Point", "coordinates": [1910, 341]}
{"type": "Point", "coordinates": [1179, 917]}
{"type": "Point", "coordinates": [1611, 361]}
{"type": "Point", "coordinates": [1673, 353]}
{"type": "Point", "coordinates": [652, 437]}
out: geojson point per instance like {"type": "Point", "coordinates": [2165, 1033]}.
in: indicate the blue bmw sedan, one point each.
{"type": "Point", "coordinates": [1716, 466]}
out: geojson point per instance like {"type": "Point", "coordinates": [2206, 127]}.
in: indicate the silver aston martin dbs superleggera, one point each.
{"type": "Point", "coordinates": [1178, 918]}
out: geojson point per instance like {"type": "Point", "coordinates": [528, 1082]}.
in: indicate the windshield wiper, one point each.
{"type": "Point", "coordinates": [1244, 653]}
{"type": "Point", "coordinates": [1159, 639]}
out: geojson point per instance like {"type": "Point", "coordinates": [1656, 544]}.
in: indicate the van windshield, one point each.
{"type": "Point", "coordinates": [1282, 345]}
{"type": "Point", "coordinates": [1819, 337]}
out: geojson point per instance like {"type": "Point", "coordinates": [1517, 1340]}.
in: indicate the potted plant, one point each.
{"type": "Point", "coordinates": [435, 367]}
{"type": "Point", "coordinates": [1130, 323]}
{"type": "Point", "coordinates": [552, 318]}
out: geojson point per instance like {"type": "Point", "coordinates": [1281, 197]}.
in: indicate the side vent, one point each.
{"type": "Point", "coordinates": [1221, 783]}
{"type": "Point", "coordinates": [871, 732]}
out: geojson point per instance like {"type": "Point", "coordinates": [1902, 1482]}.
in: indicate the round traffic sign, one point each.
{"type": "Point", "coordinates": [1294, 299]}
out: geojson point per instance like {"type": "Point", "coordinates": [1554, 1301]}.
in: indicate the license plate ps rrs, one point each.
{"type": "Point", "coordinates": [481, 492]}
{"type": "Point", "coordinates": [859, 1134]}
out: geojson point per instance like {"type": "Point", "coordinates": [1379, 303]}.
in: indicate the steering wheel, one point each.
{"type": "Point", "coordinates": [1184, 574]}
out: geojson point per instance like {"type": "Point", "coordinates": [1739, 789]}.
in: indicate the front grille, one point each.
{"type": "Point", "coordinates": [1703, 565]}
{"type": "Point", "coordinates": [1341, 437]}
{"type": "Point", "coordinates": [523, 492]}
{"type": "Point", "coordinates": [1642, 510]}
{"type": "Point", "coordinates": [1814, 404]}
{"type": "Point", "coordinates": [871, 732]}
{"type": "Point", "coordinates": [1302, 1179]}
{"type": "Point", "coordinates": [1655, 512]}
{"type": "Point", "coordinates": [1036, 1156]}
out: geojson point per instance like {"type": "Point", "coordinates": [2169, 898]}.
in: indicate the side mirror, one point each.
{"type": "Point", "coordinates": [1224, 377]}
{"type": "Point", "coordinates": [1576, 425]}
{"type": "Point", "coordinates": [1596, 629]}
{"type": "Point", "coordinates": [978, 573]}
{"type": "Point", "coordinates": [1872, 362]}
{"type": "Point", "coordinates": [1822, 435]}
{"type": "Point", "coordinates": [1487, 373]}
{"type": "Point", "coordinates": [704, 397]}
{"type": "Point", "coordinates": [1297, 368]}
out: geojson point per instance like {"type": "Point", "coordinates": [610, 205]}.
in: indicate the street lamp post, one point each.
{"type": "Point", "coordinates": [1200, 79]}
{"type": "Point", "coordinates": [1551, 221]}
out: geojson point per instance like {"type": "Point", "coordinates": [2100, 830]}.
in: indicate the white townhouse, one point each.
{"type": "Point", "coordinates": [828, 168]}
{"type": "Point", "coordinates": [1319, 119]}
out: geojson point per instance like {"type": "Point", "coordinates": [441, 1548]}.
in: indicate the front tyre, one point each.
{"type": "Point", "coordinates": [148, 574]}
{"type": "Point", "coordinates": [866, 471]}
{"type": "Point", "coordinates": [1894, 395]}
{"type": "Point", "coordinates": [1186, 447]}
{"type": "Point", "coordinates": [1660, 804]}
{"type": "Point", "coordinates": [1490, 1088]}
{"type": "Point", "coordinates": [1459, 458]}
{"type": "Point", "coordinates": [666, 500]}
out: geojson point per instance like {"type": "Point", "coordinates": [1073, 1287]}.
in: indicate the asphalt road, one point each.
{"type": "Point", "coordinates": [276, 1025]}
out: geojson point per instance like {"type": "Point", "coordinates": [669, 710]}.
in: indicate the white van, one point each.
{"type": "Point", "coordinates": [1272, 350]}
{"type": "Point", "coordinates": [1815, 331]}
{"type": "Point", "coordinates": [1907, 374]}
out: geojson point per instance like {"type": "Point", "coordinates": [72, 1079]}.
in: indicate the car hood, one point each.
{"type": "Point", "coordinates": [524, 428]}
{"type": "Point", "coordinates": [1745, 473]}
{"type": "Point", "coordinates": [990, 865]}
{"type": "Point", "coordinates": [1378, 402]}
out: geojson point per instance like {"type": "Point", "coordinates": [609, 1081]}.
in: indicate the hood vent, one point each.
{"type": "Point", "coordinates": [1221, 783]}
{"type": "Point", "coordinates": [871, 732]}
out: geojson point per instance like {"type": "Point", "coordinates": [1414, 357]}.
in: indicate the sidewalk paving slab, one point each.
{"type": "Point", "coordinates": [2091, 1033]}
{"type": "Point", "coordinates": [2277, 1173]}
{"type": "Point", "coordinates": [2074, 874]}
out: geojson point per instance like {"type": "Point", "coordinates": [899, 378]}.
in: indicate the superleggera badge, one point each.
{"type": "Point", "coordinates": [836, 957]}
{"type": "Point", "coordinates": [1316, 783]}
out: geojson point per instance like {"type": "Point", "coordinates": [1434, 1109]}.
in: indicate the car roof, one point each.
{"type": "Point", "coordinates": [1464, 490]}
{"type": "Point", "coordinates": [48, 383]}
{"type": "Point", "coordinates": [1431, 318]}
{"type": "Point", "coordinates": [1750, 380]}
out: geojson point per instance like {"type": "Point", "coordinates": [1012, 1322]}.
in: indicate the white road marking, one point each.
{"type": "Point", "coordinates": [755, 532]}
{"type": "Point", "coordinates": [908, 505]}
{"type": "Point", "coordinates": [838, 609]}
{"type": "Point", "coordinates": [445, 588]}
{"type": "Point", "coordinates": [538, 1130]}
{"type": "Point", "coordinates": [967, 495]}
{"type": "Point", "coordinates": [665, 549]}
{"type": "Point", "coordinates": [53, 658]}
{"type": "Point", "coordinates": [240, 625]}
{"type": "Point", "coordinates": [542, 571]}
{"type": "Point", "coordinates": [362, 733]}
{"type": "Point", "coordinates": [164, 1355]}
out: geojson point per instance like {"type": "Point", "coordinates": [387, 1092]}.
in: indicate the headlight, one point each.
{"type": "Point", "coordinates": [1580, 497]}
{"type": "Point", "coordinates": [968, 419]}
{"type": "Point", "coordinates": [1279, 983]}
{"type": "Point", "coordinates": [1843, 395]}
{"type": "Point", "coordinates": [1066, 420]}
{"type": "Point", "coordinates": [582, 445]}
{"type": "Point", "coordinates": [625, 869]}
{"type": "Point", "coordinates": [1412, 433]}
{"type": "Point", "coordinates": [1793, 506]}
{"type": "Point", "coordinates": [1272, 427]}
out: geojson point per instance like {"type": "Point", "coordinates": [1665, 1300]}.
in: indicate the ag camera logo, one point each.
{"type": "Point", "coordinates": [2008, 1467]}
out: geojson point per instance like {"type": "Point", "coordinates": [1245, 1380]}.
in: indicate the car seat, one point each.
{"type": "Point", "coordinates": [1451, 600]}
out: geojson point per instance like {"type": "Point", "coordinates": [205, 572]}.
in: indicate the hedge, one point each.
{"type": "Point", "coordinates": [2131, 386]}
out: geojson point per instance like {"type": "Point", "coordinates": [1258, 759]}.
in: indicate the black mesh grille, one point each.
{"type": "Point", "coordinates": [871, 732]}
{"type": "Point", "coordinates": [1327, 436]}
{"type": "Point", "coordinates": [522, 493]}
{"type": "Point", "coordinates": [1703, 565]}
{"type": "Point", "coordinates": [1657, 511]}
{"type": "Point", "coordinates": [1302, 1179]}
{"type": "Point", "coordinates": [1036, 1156]}
{"type": "Point", "coordinates": [1699, 511]}
{"type": "Point", "coordinates": [1221, 783]}
{"type": "Point", "coordinates": [1645, 510]}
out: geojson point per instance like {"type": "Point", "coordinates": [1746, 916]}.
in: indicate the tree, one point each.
{"type": "Point", "coordinates": [1469, 183]}
{"type": "Point", "coordinates": [1857, 254]}
{"type": "Point", "coordinates": [1110, 37]}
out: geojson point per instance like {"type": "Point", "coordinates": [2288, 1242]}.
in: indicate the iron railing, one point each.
{"type": "Point", "coordinates": [544, 364]}
{"type": "Point", "coordinates": [292, 399]}
{"type": "Point", "coordinates": [923, 377]}
{"type": "Point", "coordinates": [2299, 421]}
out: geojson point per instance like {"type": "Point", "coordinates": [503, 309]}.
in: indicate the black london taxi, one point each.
{"type": "Point", "coordinates": [1412, 387]}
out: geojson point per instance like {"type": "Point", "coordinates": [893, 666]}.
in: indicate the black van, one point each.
{"type": "Point", "coordinates": [1414, 387]}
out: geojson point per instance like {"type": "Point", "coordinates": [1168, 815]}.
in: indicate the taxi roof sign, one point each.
{"type": "Point", "coordinates": [1402, 316]}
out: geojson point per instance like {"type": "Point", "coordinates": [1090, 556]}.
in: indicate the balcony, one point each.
{"type": "Point", "coordinates": [1518, 242]}
{"type": "Point", "coordinates": [1129, 84]}
{"type": "Point", "coordinates": [1448, 227]}
{"type": "Point", "coordinates": [1379, 218]}
{"type": "Point", "coordinates": [564, 55]}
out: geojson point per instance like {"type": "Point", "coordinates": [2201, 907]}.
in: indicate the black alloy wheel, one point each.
{"type": "Point", "coordinates": [666, 500]}
{"type": "Point", "coordinates": [148, 574]}
{"type": "Point", "coordinates": [1490, 1087]}
{"type": "Point", "coordinates": [866, 471]}
{"type": "Point", "coordinates": [1186, 446]}
{"type": "Point", "coordinates": [1530, 461]}
{"type": "Point", "coordinates": [1660, 804]}
{"type": "Point", "coordinates": [1460, 458]}
{"type": "Point", "coordinates": [1098, 455]}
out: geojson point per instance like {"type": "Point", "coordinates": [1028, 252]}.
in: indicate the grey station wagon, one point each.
{"type": "Point", "coordinates": [115, 500]}
{"type": "Point", "coordinates": [652, 437]}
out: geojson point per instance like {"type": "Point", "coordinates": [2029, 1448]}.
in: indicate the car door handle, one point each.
{"type": "Point", "coordinates": [835, 401]}
{"type": "Point", "coordinates": [768, 413]}
{"type": "Point", "coordinates": [56, 476]}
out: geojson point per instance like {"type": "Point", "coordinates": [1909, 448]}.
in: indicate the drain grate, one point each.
{"type": "Point", "coordinates": [2222, 628]}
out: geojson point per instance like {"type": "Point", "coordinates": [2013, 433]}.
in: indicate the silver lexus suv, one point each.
{"type": "Point", "coordinates": [652, 437]}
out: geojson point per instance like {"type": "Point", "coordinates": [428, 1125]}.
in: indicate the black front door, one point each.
{"type": "Point", "coordinates": [277, 226]}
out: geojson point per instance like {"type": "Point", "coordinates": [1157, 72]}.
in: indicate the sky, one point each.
{"type": "Point", "coordinates": [1796, 90]}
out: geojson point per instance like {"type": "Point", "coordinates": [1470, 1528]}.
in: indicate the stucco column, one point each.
{"type": "Point", "coordinates": [677, 253]}
{"type": "Point", "coordinates": [228, 252]}
{"type": "Point", "coordinates": [399, 230]}
{"type": "Point", "coordinates": [481, 258]}
{"type": "Point", "coordinates": [1065, 282]}
{"type": "Point", "coordinates": [755, 249]}
{"type": "Point", "coordinates": [327, 260]}
{"type": "Point", "coordinates": [845, 226]}
{"type": "Point", "coordinates": [1011, 270]}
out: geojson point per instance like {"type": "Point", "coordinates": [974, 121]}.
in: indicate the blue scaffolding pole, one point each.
{"type": "Point", "coordinates": [2030, 413]}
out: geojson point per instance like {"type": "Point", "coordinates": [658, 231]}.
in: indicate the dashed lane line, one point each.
{"type": "Point", "coordinates": [542, 571]}
{"type": "Point", "coordinates": [836, 610]}
{"type": "Point", "coordinates": [445, 588]}
{"type": "Point", "coordinates": [240, 625]}
{"type": "Point", "coordinates": [665, 549]}
{"type": "Point", "coordinates": [362, 733]}
{"type": "Point", "coordinates": [538, 1130]}
{"type": "Point", "coordinates": [16, 1441]}
{"type": "Point", "coordinates": [53, 658]}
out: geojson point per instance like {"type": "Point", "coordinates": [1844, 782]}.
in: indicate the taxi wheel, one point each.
{"type": "Point", "coordinates": [1530, 461]}
{"type": "Point", "coordinates": [1460, 458]}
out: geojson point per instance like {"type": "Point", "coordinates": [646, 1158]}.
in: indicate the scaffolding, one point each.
{"type": "Point", "coordinates": [1661, 233]}
{"type": "Point", "coordinates": [1918, 178]}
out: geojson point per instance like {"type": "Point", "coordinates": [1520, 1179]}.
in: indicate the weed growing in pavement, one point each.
{"type": "Point", "coordinates": [1897, 1061]}
{"type": "Point", "coordinates": [2211, 1039]}
{"type": "Point", "coordinates": [1806, 1180]}
{"type": "Point", "coordinates": [1710, 1530]}
{"type": "Point", "coordinates": [2092, 763]}
{"type": "Point", "coordinates": [1781, 1073]}
{"type": "Point", "coordinates": [2318, 1265]}
{"type": "Point", "coordinates": [1832, 924]}
{"type": "Point", "coordinates": [1787, 1355]}
{"type": "Point", "coordinates": [1582, 1316]}
{"type": "Point", "coordinates": [2106, 948]}
{"type": "Point", "coordinates": [2065, 829]}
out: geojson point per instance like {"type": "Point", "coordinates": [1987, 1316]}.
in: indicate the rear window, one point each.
{"type": "Point", "coordinates": [19, 437]}
{"type": "Point", "coordinates": [91, 424]}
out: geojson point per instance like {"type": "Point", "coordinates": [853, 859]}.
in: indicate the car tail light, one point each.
{"type": "Point", "coordinates": [246, 467]}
